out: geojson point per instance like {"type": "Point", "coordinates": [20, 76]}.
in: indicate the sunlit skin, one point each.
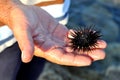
{"type": "Point", "coordinates": [39, 34]}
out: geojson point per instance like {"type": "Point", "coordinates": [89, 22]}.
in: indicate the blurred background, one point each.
{"type": "Point", "coordinates": [105, 15]}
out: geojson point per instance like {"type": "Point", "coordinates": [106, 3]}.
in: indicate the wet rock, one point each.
{"type": "Point", "coordinates": [113, 72]}
{"type": "Point", "coordinates": [112, 54]}
{"type": "Point", "coordinates": [57, 72]}
{"type": "Point", "coordinates": [111, 3]}
{"type": "Point", "coordinates": [86, 73]}
{"type": "Point", "coordinates": [76, 9]}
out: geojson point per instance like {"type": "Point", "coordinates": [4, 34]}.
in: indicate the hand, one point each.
{"type": "Point", "coordinates": [39, 34]}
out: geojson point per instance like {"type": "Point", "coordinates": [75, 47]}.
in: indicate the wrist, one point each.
{"type": "Point", "coordinates": [3, 2]}
{"type": "Point", "coordinates": [5, 7]}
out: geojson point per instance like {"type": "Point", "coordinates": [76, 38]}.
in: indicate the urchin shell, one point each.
{"type": "Point", "coordinates": [83, 39]}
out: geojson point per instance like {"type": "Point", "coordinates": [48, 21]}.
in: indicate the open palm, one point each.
{"type": "Point", "coordinates": [39, 34]}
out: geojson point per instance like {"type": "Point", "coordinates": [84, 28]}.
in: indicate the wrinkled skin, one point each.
{"type": "Point", "coordinates": [39, 34]}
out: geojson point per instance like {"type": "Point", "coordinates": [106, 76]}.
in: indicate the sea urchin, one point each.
{"type": "Point", "coordinates": [83, 39]}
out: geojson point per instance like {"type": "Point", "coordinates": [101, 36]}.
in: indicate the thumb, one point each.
{"type": "Point", "coordinates": [25, 42]}
{"type": "Point", "coordinates": [20, 26]}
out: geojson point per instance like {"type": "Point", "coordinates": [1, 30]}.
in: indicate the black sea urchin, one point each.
{"type": "Point", "coordinates": [83, 39]}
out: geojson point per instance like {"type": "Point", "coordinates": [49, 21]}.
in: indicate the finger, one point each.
{"type": "Point", "coordinates": [75, 60]}
{"type": "Point", "coordinates": [96, 54]}
{"type": "Point", "coordinates": [60, 57]}
{"type": "Point", "coordinates": [53, 53]}
{"type": "Point", "coordinates": [101, 44]}
{"type": "Point", "coordinates": [20, 26]}
{"type": "Point", "coordinates": [25, 42]}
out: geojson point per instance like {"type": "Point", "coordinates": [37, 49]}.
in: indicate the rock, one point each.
{"type": "Point", "coordinates": [112, 54]}
{"type": "Point", "coordinates": [76, 8]}
{"type": "Point", "coordinates": [98, 15]}
{"type": "Point", "coordinates": [111, 3]}
{"type": "Point", "coordinates": [113, 72]}
{"type": "Point", "coordinates": [57, 72]}
{"type": "Point", "coordinates": [86, 73]}
{"type": "Point", "coordinates": [50, 75]}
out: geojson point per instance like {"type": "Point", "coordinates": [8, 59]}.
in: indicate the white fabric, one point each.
{"type": "Point", "coordinates": [31, 2]}
{"type": "Point", "coordinates": [4, 33]}
{"type": "Point", "coordinates": [56, 10]}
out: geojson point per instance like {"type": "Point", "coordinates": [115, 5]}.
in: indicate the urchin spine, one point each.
{"type": "Point", "coordinates": [83, 39]}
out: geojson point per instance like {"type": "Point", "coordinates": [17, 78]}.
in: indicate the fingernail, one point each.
{"type": "Point", "coordinates": [25, 58]}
